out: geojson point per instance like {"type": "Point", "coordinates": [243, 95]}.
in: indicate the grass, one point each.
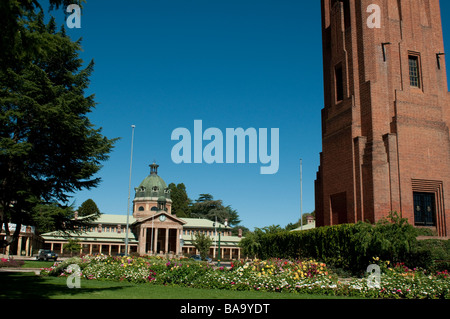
{"type": "Point", "coordinates": [30, 286]}
{"type": "Point", "coordinates": [37, 264]}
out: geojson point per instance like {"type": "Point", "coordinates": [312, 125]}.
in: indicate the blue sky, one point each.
{"type": "Point", "coordinates": [161, 64]}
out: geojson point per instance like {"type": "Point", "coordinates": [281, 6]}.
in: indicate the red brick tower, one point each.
{"type": "Point", "coordinates": [385, 125]}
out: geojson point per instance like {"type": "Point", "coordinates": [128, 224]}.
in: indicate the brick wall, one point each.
{"type": "Point", "coordinates": [384, 134]}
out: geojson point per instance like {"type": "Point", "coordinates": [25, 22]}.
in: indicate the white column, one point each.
{"type": "Point", "coordinates": [19, 246]}
{"type": "Point", "coordinates": [166, 244]}
{"type": "Point", "coordinates": [155, 241]}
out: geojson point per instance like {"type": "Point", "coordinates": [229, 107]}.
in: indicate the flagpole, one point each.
{"type": "Point", "coordinates": [129, 192]}
{"type": "Point", "coordinates": [301, 195]}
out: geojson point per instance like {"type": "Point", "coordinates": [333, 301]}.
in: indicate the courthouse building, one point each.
{"type": "Point", "coordinates": [153, 229]}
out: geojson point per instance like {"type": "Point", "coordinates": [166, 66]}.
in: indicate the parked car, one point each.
{"type": "Point", "coordinates": [47, 255]}
{"type": "Point", "coordinates": [199, 258]}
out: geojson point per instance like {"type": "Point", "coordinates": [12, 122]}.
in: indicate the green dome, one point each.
{"type": "Point", "coordinates": [153, 185]}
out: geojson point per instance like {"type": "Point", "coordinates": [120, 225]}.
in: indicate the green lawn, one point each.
{"type": "Point", "coordinates": [37, 264]}
{"type": "Point", "coordinates": [30, 286]}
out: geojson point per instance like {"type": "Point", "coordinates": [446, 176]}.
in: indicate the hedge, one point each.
{"type": "Point", "coordinates": [350, 246]}
{"type": "Point", "coordinates": [332, 245]}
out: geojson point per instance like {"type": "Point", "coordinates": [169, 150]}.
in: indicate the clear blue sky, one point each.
{"type": "Point", "coordinates": [161, 64]}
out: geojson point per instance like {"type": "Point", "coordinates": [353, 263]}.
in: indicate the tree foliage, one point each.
{"type": "Point", "coordinates": [347, 246]}
{"type": "Point", "coordinates": [251, 244]}
{"type": "Point", "coordinates": [48, 146]}
{"type": "Point", "coordinates": [88, 208]}
{"type": "Point", "coordinates": [205, 206]}
{"type": "Point", "coordinates": [72, 246]}
{"type": "Point", "coordinates": [202, 242]}
{"type": "Point", "coordinates": [180, 200]}
{"type": "Point", "coordinates": [209, 208]}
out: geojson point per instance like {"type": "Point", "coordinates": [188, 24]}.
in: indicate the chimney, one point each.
{"type": "Point", "coordinates": [99, 228]}
{"type": "Point", "coordinates": [240, 233]}
{"type": "Point", "coordinates": [119, 229]}
{"type": "Point", "coordinates": [76, 215]}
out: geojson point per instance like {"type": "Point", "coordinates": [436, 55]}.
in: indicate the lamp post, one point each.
{"type": "Point", "coordinates": [129, 191]}
{"type": "Point", "coordinates": [218, 260]}
{"type": "Point", "coordinates": [151, 239]}
{"type": "Point", "coordinates": [220, 230]}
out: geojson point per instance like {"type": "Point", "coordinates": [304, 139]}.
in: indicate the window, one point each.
{"type": "Point", "coordinates": [141, 208]}
{"type": "Point", "coordinates": [347, 22]}
{"type": "Point", "coordinates": [414, 71]}
{"type": "Point", "coordinates": [346, 6]}
{"type": "Point", "coordinates": [424, 209]}
{"type": "Point", "coordinates": [339, 80]}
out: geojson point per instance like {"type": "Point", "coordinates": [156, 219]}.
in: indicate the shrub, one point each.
{"type": "Point", "coordinates": [391, 239]}
{"type": "Point", "coordinates": [348, 246]}
{"type": "Point", "coordinates": [10, 263]}
{"type": "Point", "coordinates": [437, 252]}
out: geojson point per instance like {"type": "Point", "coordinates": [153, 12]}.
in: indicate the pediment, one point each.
{"type": "Point", "coordinates": [160, 218]}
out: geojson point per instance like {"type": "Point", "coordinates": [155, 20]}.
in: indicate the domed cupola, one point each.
{"type": "Point", "coordinates": [153, 185]}
{"type": "Point", "coordinates": [152, 195]}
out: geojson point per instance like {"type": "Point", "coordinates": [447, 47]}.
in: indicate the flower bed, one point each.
{"type": "Point", "coordinates": [274, 275]}
{"type": "Point", "coordinates": [10, 263]}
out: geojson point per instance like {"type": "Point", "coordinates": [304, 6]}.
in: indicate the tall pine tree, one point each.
{"type": "Point", "coordinates": [48, 146]}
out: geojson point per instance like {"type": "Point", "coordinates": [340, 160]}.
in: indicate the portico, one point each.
{"type": "Point", "coordinates": [159, 234]}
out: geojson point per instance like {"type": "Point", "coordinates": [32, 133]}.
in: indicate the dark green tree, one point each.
{"type": "Point", "coordinates": [207, 207]}
{"type": "Point", "coordinates": [49, 149]}
{"type": "Point", "coordinates": [52, 216]}
{"type": "Point", "coordinates": [88, 208]}
{"type": "Point", "coordinates": [72, 246]}
{"type": "Point", "coordinates": [251, 245]}
{"type": "Point", "coordinates": [180, 200]}
{"type": "Point", "coordinates": [204, 198]}
{"type": "Point", "coordinates": [202, 242]}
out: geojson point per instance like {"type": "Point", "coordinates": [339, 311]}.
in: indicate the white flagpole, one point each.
{"type": "Point", "coordinates": [301, 195]}
{"type": "Point", "coordinates": [129, 193]}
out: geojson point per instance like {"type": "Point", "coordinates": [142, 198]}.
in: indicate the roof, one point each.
{"type": "Point", "coordinates": [110, 219]}
{"type": "Point", "coordinates": [114, 219]}
{"type": "Point", "coordinates": [105, 219]}
{"type": "Point", "coordinates": [201, 223]}
{"type": "Point", "coordinates": [153, 185]}
{"type": "Point", "coordinates": [92, 236]}
{"type": "Point", "coordinates": [306, 227]}
{"type": "Point", "coordinates": [155, 216]}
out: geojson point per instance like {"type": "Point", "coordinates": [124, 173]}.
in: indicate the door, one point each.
{"type": "Point", "coordinates": [424, 209]}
